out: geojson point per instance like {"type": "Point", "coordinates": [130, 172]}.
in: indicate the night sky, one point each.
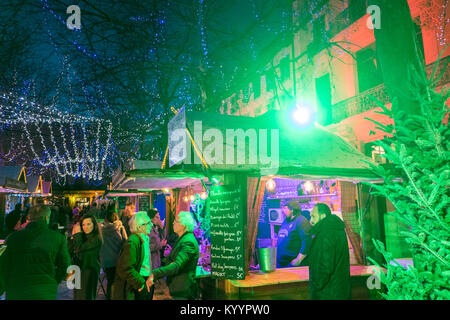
{"type": "Point", "coordinates": [130, 62]}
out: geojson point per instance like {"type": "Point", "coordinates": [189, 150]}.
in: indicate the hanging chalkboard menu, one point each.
{"type": "Point", "coordinates": [144, 203]}
{"type": "Point", "coordinates": [227, 233]}
{"type": "Point", "coordinates": [122, 202]}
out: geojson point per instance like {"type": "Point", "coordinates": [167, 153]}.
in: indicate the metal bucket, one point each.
{"type": "Point", "coordinates": [267, 259]}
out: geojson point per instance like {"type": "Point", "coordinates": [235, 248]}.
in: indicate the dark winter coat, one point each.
{"type": "Point", "coordinates": [35, 261]}
{"type": "Point", "coordinates": [85, 253]}
{"type": "Point", "coordinates": [114, 236]}
{"type": "Point", "coordinates": [128, 279]}
{"type": "Point", "coordinates": [11, 219]}
{"type": "Point", "coordinates": [155, 247]}
{"type": "Point", "coordinates": [180, 268]}
{"type": "Point", "coordinates": [329, 263]}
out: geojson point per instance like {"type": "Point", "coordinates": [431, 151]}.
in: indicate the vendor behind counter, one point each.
{"type": "Point", "coordinates": [294, 239]}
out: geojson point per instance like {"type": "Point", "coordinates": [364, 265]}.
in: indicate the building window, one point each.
{"type": "Point", "coordinates": [270, 81]}
{"type": "Point", "coordinates": [320, 37]}
{"type": "Point", "coordinates": [356, 9]}
{"type": "Point", "coordinates": [285, 69]}
{"type": "Point", "coordinates": [369, 72]}
{"type": "Point", "coordinates": [256, 86]}
{"type": "Point", "coordinates": [323, 98]}
{"type": "Point", "coordinates": [377, 152]}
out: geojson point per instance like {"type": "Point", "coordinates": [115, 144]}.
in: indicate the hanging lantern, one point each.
{"type": "Point", "coordinates": [203, 195]}
{"type": "Point", "coordinates": [270, 185]}
{"type": "Point", "coordinates": [192, 197]}
{"type": "Point", "coordinates": [309, 186]}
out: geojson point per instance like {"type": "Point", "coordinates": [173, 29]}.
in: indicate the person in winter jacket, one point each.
{"type": "Point", "coordinates": [35, 260]}
{"type": "Point", "coordinates": [114, 236]}
{"type": "Point", "coordinates": [128, 212]}
{"type": "Point", "coordinates": [181, 264]}
{"type": "Point", "coordinates": [12, 220]}
{"type": "Point", "coordinates": [329, 262]}
{"type": "Point", "coordinates": [84, 248]}
{"type": "Point", "coordinates": [133, 269]}
{"type": "Point", "coordinates": [293, 237]}
{"type": "Point", "coordinates": [157, 243]}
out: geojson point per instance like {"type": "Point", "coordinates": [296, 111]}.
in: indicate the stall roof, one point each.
{"type": "Point", "coordinates": [46, 187]}
{"type": "Point", "coordinates": [123, 193]}
{"type": "Point", "coordinates": [157, 179]}
{"type": "Point", "coordinates": [34, 184]}
{"type": "Point", "coordinates": [12, 179]}
{"type": "Point", "coordinates": [312, 152]}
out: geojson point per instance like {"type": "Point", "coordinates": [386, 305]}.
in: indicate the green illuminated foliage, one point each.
{"type": "Point", "coordinates": [420, 158]}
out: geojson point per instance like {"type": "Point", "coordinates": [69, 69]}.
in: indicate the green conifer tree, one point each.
{"type": "Point", "coordinates": [417, 183]}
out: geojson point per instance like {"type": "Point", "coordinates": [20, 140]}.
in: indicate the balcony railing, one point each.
{"type": "Point", "coordinates": [362, 102]}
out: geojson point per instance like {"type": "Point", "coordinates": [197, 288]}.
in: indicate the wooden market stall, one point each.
{"type": "Point", "coordinates": [309, 154]}
{"type": "Point", "coordinates": [13, 184]}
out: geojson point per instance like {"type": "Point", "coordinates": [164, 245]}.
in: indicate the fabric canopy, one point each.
{"type": "Point", "coordinates": [312, 152]}
{"type": "Point", "coordinates": [157, 179]}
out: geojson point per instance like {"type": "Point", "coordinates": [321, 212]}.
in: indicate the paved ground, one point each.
{"type": "Point", "coordinates": [161, 292]}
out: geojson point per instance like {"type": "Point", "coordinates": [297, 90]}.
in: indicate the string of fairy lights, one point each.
{"type": "Point", "coordinates": [82, 145]}
{"type": "Point", "coordinates": [68, 144]}
{"type": "Point", "coordinates": [51, 136]}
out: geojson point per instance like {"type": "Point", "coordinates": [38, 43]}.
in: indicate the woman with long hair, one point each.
{"type": "Point", "coordinates": [84, 248]}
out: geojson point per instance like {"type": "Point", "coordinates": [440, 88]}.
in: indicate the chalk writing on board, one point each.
{"type": "Point", "coordinates": [227, 242]}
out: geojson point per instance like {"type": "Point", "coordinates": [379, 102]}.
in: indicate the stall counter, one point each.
{"type": "Point", "coordinates": [282, 284]}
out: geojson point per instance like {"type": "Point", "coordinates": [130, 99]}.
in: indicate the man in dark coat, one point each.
{"type": "Point", "coordinates": [181, 264]}
{"type": "Point", "coordinates": [13, 218]}
{"type": "Point", "coordinates": [329, 264]}
{"type": "Point", "coordinates": [35, 260]}
{"type": "Point", "coordinates": [133, 268]}
{"type": "Point", "coordinates": [127, 279]}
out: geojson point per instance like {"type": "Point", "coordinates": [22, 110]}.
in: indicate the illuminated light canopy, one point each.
{"type": "Point", "coordinates": [75, 146]}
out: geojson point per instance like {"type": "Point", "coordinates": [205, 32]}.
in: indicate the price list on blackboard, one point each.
{"type": "Point", "coordinates": [122, 202]}
{"type": "Point", "coordinates": [144, 203]}
{"type": "Point", "coordinates": [227, 233]}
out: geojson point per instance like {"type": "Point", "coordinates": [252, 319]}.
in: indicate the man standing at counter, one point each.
{"type": "Point", "coordinates": [293, 237]}
{"type": "Point", "coordinates": [329, 264]}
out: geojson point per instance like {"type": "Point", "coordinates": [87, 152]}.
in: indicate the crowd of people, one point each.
{"type": "Point", "coordinates": [133, 250]}
{"type": "Point", "coordinates": [128, 246]}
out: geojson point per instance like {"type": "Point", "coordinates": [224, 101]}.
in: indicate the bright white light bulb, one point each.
{"type": "Point", "coordinates": [302, 115]}
{"type": "Point", "coordinates": [309, 186]}
{"type": "Point", "coordinates": [270, 185]}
